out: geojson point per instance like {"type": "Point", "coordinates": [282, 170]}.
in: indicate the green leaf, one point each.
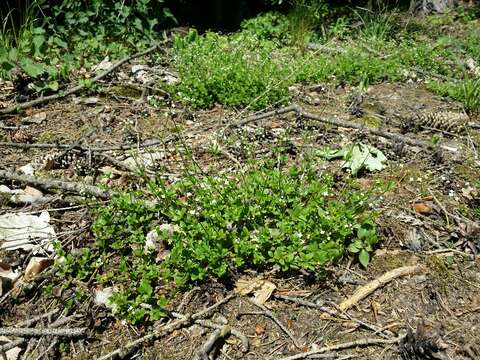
{"type": "Point", "coordinates": [13, 54]}
{"type": "Point", "coordinates": [31, 68]}
{"type": "Point", "coordinates": [364, 258]}
{"type": "Point", "coordinates": [38, 41]}
{"type": "Point", "coordinates": [357, 157]}
{"type": "Point", "coordinates": [53, 85]}
{"type": "Point", "coordinates": [355, 247]}
{"type": "Point", "coordinates": [145, 288]}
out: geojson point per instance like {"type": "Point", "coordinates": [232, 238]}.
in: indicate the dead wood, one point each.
{"type": "Point", "coordinates": [33, 320]}
{"type": "Point", "coordinates": [33, 332]}
{"type": "Point", "coordinates": [167, 329]}
{"type": "Point", "coordinates": [365, 290]}
{"type": "Point", "coordinates": [80, 86]}
{"type": "Point", "coordinates": [65, 186]}
{"type": "Point", "coordinates": [217, 335]}
{"type": "Point", "coordinates": [333, 313]}
{"type": "Point", "coordinates": [272, 316]}
{"type": "Point", "coordinates": [342, 346]}
{"type": "Point", "coordinates": [238, 334]}
{"type": "Point", "coordinates": [338, 123]}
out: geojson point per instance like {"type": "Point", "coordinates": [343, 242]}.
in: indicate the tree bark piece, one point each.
{"type": "Point", "coordinates": [365, 290]}
{"type": "Point", "coordinates": [48, 185]}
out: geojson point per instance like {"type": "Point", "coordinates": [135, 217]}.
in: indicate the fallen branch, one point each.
{"type": "Point", "coordinates": [369, 288]}
{"type": "Point", "coordinates": [167, 329]}
{"type": "Point", "coordinates": [270, 314]}
{"type": "Point", "coordinates": [219, 334]}
{"type": "Point", "coordinates": [156, 142]}
{"type": "Point", "coordinates": [338, 123]}
{"type": "Point", "coordinates": [33, 332]}
{"type": "Point", "coordinates": [67, 186]}
{"type": "Point", "coordinates": [10, 345]}
{"type": "Point", "coordinates": [239, 335]}
{"type": "Point", "coordinates": [210, 324]}
{"type": "Point", "coordinates": [33, 320]}
{"type": "Point", "coordinates": [347, 345]}
{"type": "Point", "coordinates": [75, 89]}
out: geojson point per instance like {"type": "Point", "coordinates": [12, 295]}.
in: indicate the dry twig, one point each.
{"type": "Point", "coordinates": [342, 346]}
{"type": "Point", "coordinates": [29, 332]}
{"type": "Point", "coordinates": [369, 288]}
{"type": "Point", "coordinates": [270, 314]}
{"type": "Point", "coordinates": [67, 186]}
{"type": "Point", "coordinates": [208, 345]}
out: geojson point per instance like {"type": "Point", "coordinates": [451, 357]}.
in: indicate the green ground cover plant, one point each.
{"type": "Point", "coordinates": [288, 217]}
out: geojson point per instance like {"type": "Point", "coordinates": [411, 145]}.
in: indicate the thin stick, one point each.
{"type": "Point", "coordinates": [167, 329]}
{"type": "Point", "coordinates": [365, 290]}
{"type": "Point", "coordinates": [219, 334]}
{"type": "Point", "coordinates": [307, 303]}
{"type": "Point", "coordinates": [11, 345]}
{"type": "Point", "coordinates": [67, 186]}
{"type": "Point", "coordinates": [265, 116]}
{"type": "Point", "coordinates": [33, 332]}
{"type": "Point", "coordinates": [30, 322]}
{"type": "Point", "coordinates": [270, 314]}
{"type": "Point", "coordinates": [238, 334]}
{"type": "Point", "coordinates": [80, 86]}
{"type": "Point", "coordinates": [441, 206]}
{"type": "Point", "coordinates": [347, 345]}
{"type": "Point", "coordinates": [334, 313]}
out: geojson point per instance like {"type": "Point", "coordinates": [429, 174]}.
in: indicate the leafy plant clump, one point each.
{"type": "Point", "coordinates": [267, 217]}
{"type": "Point", "coordinates": [233, 71]}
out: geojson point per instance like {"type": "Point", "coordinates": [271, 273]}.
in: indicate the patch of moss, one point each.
{"type": "Point", "coordinates": [441, 270]}
{"type": "Point", "coordinates": [46, 137]}
{"type": "Point", "coordinates": [123, 90]}
{"type": "Point", "coordinates": [370, 121]}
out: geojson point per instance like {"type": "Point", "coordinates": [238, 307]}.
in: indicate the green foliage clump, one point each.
{"type": "Point", "coordinates": [235, 71]}
{"type": "Point", "coordinates": [290, 218]}
{"type": "Point", "coordinates": [128, 20]}
{"type": "Point", "coordinates": [272, 26]}
{"type": "Point", "coordinates": [58, 37]}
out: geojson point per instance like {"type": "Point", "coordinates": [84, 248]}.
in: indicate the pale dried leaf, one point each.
{"type": "Point", "coordinates": [35, 266]}
{"type": "Point", "coordinates": [26, 232]}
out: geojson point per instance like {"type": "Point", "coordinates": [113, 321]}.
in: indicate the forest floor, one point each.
{"type": "Point", "coordinates": [429, 222]}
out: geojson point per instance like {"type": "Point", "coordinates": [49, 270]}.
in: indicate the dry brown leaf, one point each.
{"type": "Point", "coordinates": [35, 266]}
{"type": "Point", "coordinates": [262, 289]}
{"type": "Point", "coordinates": [422, 208]}
{"type": "Point", "coordinates": [260, 329]}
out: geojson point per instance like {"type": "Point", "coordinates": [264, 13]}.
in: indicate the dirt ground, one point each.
{"type": "Point", "coordinates": [438, 305]}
